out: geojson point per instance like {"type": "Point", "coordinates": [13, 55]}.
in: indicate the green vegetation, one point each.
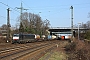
{"type": "Point", "coordinates": [87, 35]}
{"type": "Point", "coordinates": [54, 56]}
{"type": "Point", "coordinates": [32, 23]}
{"type": "Point", "coordinates": [43, 58]}
{"type": "Point", "coordinates": [58, 56]}
{"type": "Point", "coordinates": [21, 29]}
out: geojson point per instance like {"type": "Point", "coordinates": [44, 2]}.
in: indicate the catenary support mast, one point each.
{"type": "Point", "coordinates": [8, 25]}
{"type": "Point", "coordinates": [21, 8]}
{"type": "Point", "coordinates": [72, 21]}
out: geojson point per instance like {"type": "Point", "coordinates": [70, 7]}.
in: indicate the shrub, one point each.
{"type": "Point", "coordinates": [81, 51]}
{"type": "Point", "coordinates": [87, 35]}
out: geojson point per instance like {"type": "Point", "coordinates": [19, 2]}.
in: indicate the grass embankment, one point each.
{"type": "Point", "coordinates": [56, 54]}
{"type": "Point", "coordinates": [77, 50]}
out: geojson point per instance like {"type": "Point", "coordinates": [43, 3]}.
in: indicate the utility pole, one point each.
{"type": "Point", "coordinates": [8, 25]}
{"type": "Point", "coordinates": [21, 8]}
{"type": "Point", "coordinates": [71, 21]}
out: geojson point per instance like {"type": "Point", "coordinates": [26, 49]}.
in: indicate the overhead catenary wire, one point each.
{"type": "Point", "coordinates": [43, 7]}
{"type": "Point", "coordinates": [6, 18]}
{"type": "Point", "coordinates": [28, 7]}
{"type": "Point", "coordinates": [49, 7]}
{"type": "Point", "coordinates": [9, 6]}
{"type": "Point", "coordinates": [13, 9]}
{"type": "Point", "coordinates": [58, 6]}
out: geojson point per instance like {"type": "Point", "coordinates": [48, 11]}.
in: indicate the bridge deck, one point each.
{"type": "Point", "coordinates": [65, 29]}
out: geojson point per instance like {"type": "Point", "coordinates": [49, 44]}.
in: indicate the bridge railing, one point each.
{"type": "Point", "coordinates": [66, 28]}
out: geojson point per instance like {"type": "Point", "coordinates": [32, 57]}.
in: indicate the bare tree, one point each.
{"type": "Point", "coordinates": [88, 24]}
{"type": "Point", "coordinates": [46, 24]}
{"type": "Point", "coordinates": [32, 23]}
{"type": "Point", "coordinates": [4, 27]}
{"type": "Point", "coordinates": [84, 26]}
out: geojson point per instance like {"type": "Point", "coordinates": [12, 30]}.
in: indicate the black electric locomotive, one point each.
{"type": "Point", "coordinates": [23, 38]}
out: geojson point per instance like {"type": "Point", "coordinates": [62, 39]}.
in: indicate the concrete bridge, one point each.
{"type": "Point", "coordinates": [66, 29]}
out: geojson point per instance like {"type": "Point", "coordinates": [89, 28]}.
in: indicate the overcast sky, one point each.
{"type": "Point", "coordinates": [56, 11]}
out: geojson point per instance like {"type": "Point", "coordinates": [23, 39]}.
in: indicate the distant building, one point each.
{"type": "Point", "coordinates": [3, 33]}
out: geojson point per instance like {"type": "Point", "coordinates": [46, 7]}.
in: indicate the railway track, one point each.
{"type": "Point", "coordinates": [15, 53]}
